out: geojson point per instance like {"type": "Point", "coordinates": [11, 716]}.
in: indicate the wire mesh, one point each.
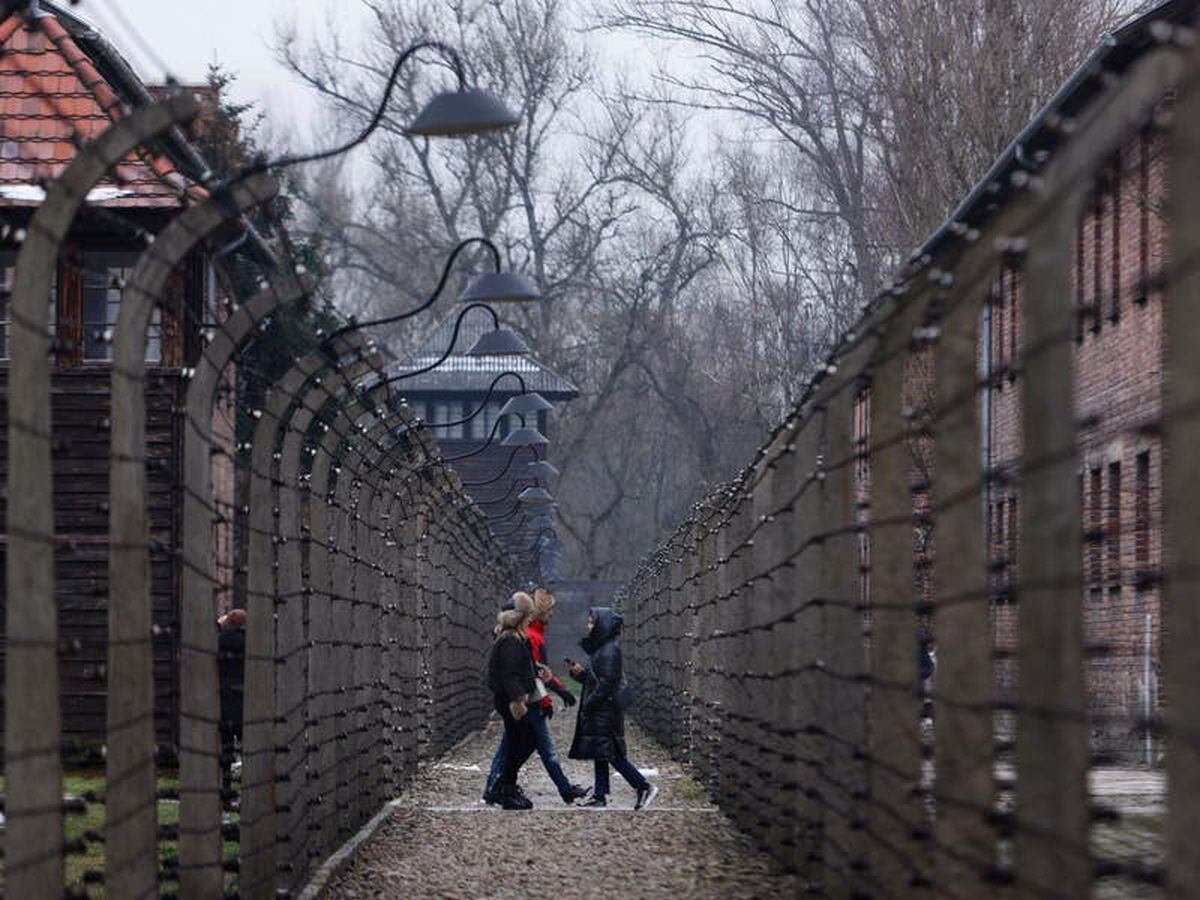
{"type": "Point", "coordinates": [367, 573]}
{"type": "Point", "coordinates": [926, 643]}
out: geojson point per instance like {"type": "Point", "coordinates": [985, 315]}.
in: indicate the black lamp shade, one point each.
{"type": "Point", "coordinates": [499, 342]}
{"type": "Point", "coordinates": [461, 114]}
{"type": "Point", "coordinates": [525, 404]}
{"type": "Point", "coordinates": [535, 496]}
{"type": "Point", "coordinates": [524, 437]}
{"type": "Point", "coordinates": [500, 287]}
{"type": "Point", "coordinates": [541, 469]}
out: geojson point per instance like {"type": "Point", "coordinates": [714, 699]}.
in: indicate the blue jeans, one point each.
{"type": "Point", "coordinates": [627, 770]}
{"type": "Point", "coordinates": [545, 749]}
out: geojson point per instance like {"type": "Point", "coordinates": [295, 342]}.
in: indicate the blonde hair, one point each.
{"type": "Point", "coordinates": [515, 619]}
{"type": "Point", "coordinates": [543, 602]}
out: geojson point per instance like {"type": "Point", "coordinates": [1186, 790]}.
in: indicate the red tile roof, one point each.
{"type": "Point", "coordinates": [52, 96]}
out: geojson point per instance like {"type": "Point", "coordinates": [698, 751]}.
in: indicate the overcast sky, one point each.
{"type": "Point", "coordinates": [186, 35]}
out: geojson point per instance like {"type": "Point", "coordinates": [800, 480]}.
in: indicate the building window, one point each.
{"type": "Point", "coordinates": [444, 412]}
{"type": "Point", "coordinates": [6, 285]}
{"type": "Point", "coordinates": [1115, 311]}
{"type": "Point", "coordinates": [997, 298]}
{"type": "Point", "coordinates": [1141, 515]}
{"type": "Point", "coordinates": [1000, 327]}
{"type": "Point", "coordinates": [1097, 259]}
{"type": "Point", "coordinates": [1143, 201]}
{"type": "Point", "coordinates": [1013, 319]}
{"type": "Point", "coordinates": [1080, 268]}
{"type": "Point", "coordinates": [1094, 525]}
{"type": "Point", "coordinates": [8, 269]}
{"type": "Point", "coordinates": [487, 420]}
{"type": "Point", "coordinates": [1112, 527]}
{"type": "Point", "coordinates": [104, 277]}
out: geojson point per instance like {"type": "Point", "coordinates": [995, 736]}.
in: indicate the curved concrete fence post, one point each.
{"type": "Point", "coordinates": [32, 766]}
{"type": "Point", "coordinates": [365, 462]}
{"type": "Point", "coordinates": [385, 610]}
{"type": "Point", "coordinates": [131, 857]}
{"type": "Point", "coordinates": [276, 636]}
{"type": "Point", "coordinates": [301, 682]}
{"type": "Point", "coordinates": [327, 568]}
{"type": "Point", "coordinates": [375, 493]}
{"type": "Point", "coordinates": [331, 571]}
{"type": "Point", "coordinates": [232, 335]}
{"type": "Point", "coordinates": [339, 636]}
{"type": "Point", "coordinates": [363, 455]}
{"type": "Point", "coordinates": [1180, 612]}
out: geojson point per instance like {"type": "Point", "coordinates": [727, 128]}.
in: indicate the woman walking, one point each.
{"type": "Point", "coordinates": [511, 677]}
{"type": "Point", "coordinates": [540, 712]}
{"type": "Point", "coordinates": [600, 726]}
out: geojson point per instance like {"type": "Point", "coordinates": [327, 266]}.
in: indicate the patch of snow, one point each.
{"type": "Point", "coordinates": [36, 193]}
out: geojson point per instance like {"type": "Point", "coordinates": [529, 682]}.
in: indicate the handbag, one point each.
{"type": "Point", "coordinates": [625, 696]}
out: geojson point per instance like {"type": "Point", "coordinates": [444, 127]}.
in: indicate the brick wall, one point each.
{"type": "Point", "coordinates": [1120, 248]}
{"type": "Point", "coordinates": [1119, 254]}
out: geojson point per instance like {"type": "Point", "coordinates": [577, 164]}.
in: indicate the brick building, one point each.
{"type": "Point", "coordinates": [61, 82]}
{"type": "Point", "coordinates": [1119, 257]}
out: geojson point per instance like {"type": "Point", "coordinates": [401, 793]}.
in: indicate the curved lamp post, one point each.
{"type": "Point", "coordinates": [488, 287]}
{"type": "Point", "coordinates": [533, 450]}
{"type": "Point", "coordinates": [519, 437]}
{"type": "Point", "coordinates": [461, 113]}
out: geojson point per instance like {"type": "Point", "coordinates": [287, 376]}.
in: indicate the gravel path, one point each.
{"type": "Point", "coordinates": [443, 842]}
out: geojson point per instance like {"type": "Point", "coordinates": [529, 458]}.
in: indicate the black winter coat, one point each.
{"type": "Point", "coordinates": [600, 725]}
{"type": "Point", "coordinates": [510, 669]}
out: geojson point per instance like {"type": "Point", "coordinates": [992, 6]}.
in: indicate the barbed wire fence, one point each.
{"type": "Point", "coordinates": [781, 638]}
{"type": "Point", "coordinates": [369, 575]}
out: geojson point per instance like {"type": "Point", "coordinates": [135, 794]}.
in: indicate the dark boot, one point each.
{"type": "Point", "coordinates": [512, 798]}
{"type": "Point", "coordinates": [576, 793]}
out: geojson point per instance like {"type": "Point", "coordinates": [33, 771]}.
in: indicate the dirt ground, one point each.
{"type": "Point", "coordinates": [443, 842]}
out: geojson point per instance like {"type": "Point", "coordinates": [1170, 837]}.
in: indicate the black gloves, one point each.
{"type": "Point", "coordinates": [564, 695]}
{"type": "Point", "coordinates": [567, 697]}
{"type": "Point", "coordinates": [548, 712]}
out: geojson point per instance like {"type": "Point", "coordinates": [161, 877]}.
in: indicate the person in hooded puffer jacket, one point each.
{"type": "Point", "coordinates": [600, 725]}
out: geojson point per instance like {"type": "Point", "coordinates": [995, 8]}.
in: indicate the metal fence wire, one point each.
{"type": "Point", "coordinates": [369, 576]}
{"type": "Point", "coordinates": [940, 637]}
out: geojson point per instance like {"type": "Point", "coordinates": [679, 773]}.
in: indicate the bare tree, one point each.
{"type": "Point", "coordinates": [958, 80]}
{"type": "Point", "coordinates": [793, 70]}
{"type": "Point", "coordinates": [693, 287]}
{"type": "Point", "coordinates": [590, 195]}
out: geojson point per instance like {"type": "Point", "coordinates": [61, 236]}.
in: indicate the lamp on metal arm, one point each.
{"type": "Point", "coordinates": [460, 113]}
{"type": "Point", "coordinates": [493, 287]}
{"type": "Point", "coordinates": [523, 403]}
